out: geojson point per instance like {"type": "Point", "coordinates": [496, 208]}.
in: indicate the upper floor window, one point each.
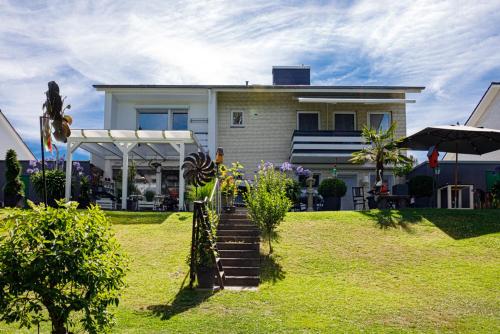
{"type": "Point", "coordinates": [165, 119]}
{"type": "Point", "coordinates": [380, 121]}
{"type": "Point", "coordinates": [179, 120]}
{"type": "Point", "coordinates": [308, 121]}
{"type": "Point", "coordinates": [344, 121]}
{"type": "Point", "coordinates": [153, 121]}
{"type": "Point", "coordinates": [237, 120]}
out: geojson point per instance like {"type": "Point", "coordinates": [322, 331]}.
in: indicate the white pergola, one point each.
{"type": "Point", "coordinates": [121, 144]}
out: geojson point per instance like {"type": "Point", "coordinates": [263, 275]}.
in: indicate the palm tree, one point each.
{"type": "Point", "coordinates": [383, 150]}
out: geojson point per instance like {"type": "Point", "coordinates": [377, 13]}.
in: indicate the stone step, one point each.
{"type": "Point", "coordinates": [238, 253]}
{"type": "Point", "coordinates": [238, 245]}
{"type": "Point", "coordinates": [237, 238]}
{"type": "Point", "coordinates": [248, 233]}
{"type": "Point", "coordinates": [225, 226]}
{"type": "Point", "coordinates": [240, 262]}
{"type": "Point", "coordinates": [241, 281]}
{"type": "Point", "coordinates": [242, 271]}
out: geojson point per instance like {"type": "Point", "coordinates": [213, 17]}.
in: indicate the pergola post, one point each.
{"type": "Point", "coordinates": [70, 148]}
{"type": "Point", "coordinates": [158, 180]}
{"type": "Point", "coordinates": [181, 176]}
{"type": "Point", "coordinates": [125, 148]}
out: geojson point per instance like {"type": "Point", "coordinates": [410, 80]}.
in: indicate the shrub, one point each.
{"type": "Point", "coordinates": [13, 189]}
{"type": "Point", "coordinates": [199, 193]}
{"type": "Point", "coordinates": [293, 190]}
{"type": "Point", "coordinates": [57, 261]}
{"type": "Point", "coordinates": [56, 181]}
{"type": "Point", "coordinates": [84, 198]}
{"type": "Point", "coordinates": [332, 187]}
{"type": "Point", "coordinates": [421, 186]}
{"type": "Point", "coordinates": [495, 192]}
{"type": "Point", "coordinates": [267, 201]}
{"type": "Point", "coordinates": [149, 195]}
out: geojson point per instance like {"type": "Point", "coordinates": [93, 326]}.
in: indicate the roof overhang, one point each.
{"type": "Point", "coordinates": [333, 100]}
{"type": "Point", "coordinates": [261, 88]}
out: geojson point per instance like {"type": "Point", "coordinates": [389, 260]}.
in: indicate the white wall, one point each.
{"type": "Point", "coordinates": [490, 118]}
{"type": "Point", "coordinates": [9, 139]}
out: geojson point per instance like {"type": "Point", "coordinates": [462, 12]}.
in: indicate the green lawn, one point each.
{"type": "Point", "coordinates": [414, 271]}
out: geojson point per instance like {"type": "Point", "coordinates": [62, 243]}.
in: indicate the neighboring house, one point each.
{"type": "Point", "coordinates": [291, 120]}
{"type": "Point", "coordinates": [10, 139]}
{"type": "Point", "coordinates": [486, 114]}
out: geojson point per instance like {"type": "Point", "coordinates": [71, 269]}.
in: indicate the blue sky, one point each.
{"type": "Point", "coordinates": [451, 47]}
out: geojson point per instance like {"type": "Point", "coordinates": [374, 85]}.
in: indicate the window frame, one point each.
{"type": "Point", "coordinates": [345, 113]}
{"type": "Point", "coordinates": [307, 112]}
{"type": "Point", "coordinates": [168, 110]}
{"type": "Point", "coordinates": [231, 119]}
{"type": "Point", "coordinates": [378, 113]}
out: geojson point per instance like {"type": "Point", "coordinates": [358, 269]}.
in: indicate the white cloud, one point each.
{"type": "Point", "coordinates": [448, 46]}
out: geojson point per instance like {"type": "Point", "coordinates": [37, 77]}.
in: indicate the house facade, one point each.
{"type": "Point", "coordinates": [317, 127]}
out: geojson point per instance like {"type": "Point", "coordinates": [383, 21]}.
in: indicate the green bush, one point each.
{"type": "Point", "coordinates": [421, 186]}
{"type": "Point", "coordinates": [199, 193]}
{"type": "Point", "coordinates": [14, 189]}
{"type": "Point", "coordinates": [293, 190]}
{"type": "Point", "coordinates": [56, 180]}
{"type": "Point", "coordinates": [267, 200]}
{"type": "Point", "coordinates": [149, 195]}
{"type": "Point", "coordinates": [332, 187]}
{"type": "Point", "coordinates": [495, 192]}
{"type": "Point", "coordinates": [84, 198]}
{"type": "Point", "coordinates": [56, 261]}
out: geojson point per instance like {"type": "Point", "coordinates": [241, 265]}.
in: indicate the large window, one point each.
{"type": "Point", "coordinates": [164, 119]}
{"type": "Point", "coordinates": [379, 121]}
{"type": "Point", "coordinates": [307, 121]}
{"type": "Point", "coordinates": [153, 121]}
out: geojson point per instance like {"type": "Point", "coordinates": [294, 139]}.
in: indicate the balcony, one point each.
{"type": "Point", "coordinates": [325, 147]}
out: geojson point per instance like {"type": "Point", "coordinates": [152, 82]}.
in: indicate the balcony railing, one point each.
{"type": "Point", "coordinates": [325, 146]}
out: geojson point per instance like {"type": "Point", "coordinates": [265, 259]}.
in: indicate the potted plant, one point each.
{"type": "Point", "coordinates": [332, 190]}
{"type": "Point", "coordinates": [422, 188]}
{"type": "Point", "coordinates": [230, 178]}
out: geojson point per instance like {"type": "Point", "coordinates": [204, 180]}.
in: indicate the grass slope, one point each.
{"type": "Point", "coordinates": [412, 271]}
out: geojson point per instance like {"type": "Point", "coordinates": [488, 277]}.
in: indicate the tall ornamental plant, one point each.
{"type": "Point", "coordinates": [13, 190]}
{"type": "Point", "coordinates": [267, 201]}
{"type": "Point", "coordinates": [382, 150]}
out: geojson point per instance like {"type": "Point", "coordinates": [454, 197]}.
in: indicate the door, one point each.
{"type": "Point", "coordinates": [308, 121]}
{"type": "Point", "coordinates": [344, 121]}
{"type": "Point", "coordinates": [350, 181]}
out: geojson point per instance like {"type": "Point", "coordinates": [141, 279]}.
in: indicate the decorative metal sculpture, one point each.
{"type": "Point", "coordinates": [54, 111]}
{"type": "Point", "coordinates": [198, 168]}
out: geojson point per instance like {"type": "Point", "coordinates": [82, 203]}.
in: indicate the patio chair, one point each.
{"type": "Point", "coordinates": [358, 197]}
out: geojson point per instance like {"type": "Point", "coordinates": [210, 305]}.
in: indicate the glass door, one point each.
{"type": "Point", "coordinates": [344, 121]}
{"type": "Point", "coordinates": [308, 121]}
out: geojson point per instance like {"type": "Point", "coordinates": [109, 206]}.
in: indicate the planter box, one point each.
{"type": "Point", "coordinates": [332, 204]}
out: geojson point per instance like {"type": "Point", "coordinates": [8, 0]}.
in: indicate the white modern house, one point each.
{"type": "Point", "coordinates": [486, 114]}
{"type": "Point", "coordinates": [291, 120]}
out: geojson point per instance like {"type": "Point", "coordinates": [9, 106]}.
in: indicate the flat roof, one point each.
{"type": "Point", "coordinates": [416, 89]}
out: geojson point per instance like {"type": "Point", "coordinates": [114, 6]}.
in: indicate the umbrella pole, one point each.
{"type": "Point", "coordinates": [456, 177]}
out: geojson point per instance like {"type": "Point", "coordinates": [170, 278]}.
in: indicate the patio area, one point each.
{"type": "Point", "coordinates": [154, 156]}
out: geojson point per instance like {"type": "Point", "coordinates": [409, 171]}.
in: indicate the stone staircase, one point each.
{"type": "Point", "coordinates": [238, 242]}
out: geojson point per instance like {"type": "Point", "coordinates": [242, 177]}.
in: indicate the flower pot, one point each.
{"type": "Point", "coordinates": [228, 204]}
{"type": "Point", "coordinates": [206, 277]}
{"type": "Point", "coordinates": [332, 203]}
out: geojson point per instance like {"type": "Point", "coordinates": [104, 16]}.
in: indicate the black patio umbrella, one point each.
{"type": "Point", "coordinates": [454, 139]}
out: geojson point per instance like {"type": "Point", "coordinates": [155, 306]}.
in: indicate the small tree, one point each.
{"type": "Point", "coordinates": [382, 150]}
{"type": "Point", "coordinates": [267, 201]}
{"type": "Point", "coordinates": [56, 183]}
{"type": "Point", "coordinates": [13, 190]}
{"type": "Point", "coordinates": [59, 260]}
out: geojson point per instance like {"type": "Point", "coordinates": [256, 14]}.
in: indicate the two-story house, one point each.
{"type": "Point", "coordinates": [317, 127]}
